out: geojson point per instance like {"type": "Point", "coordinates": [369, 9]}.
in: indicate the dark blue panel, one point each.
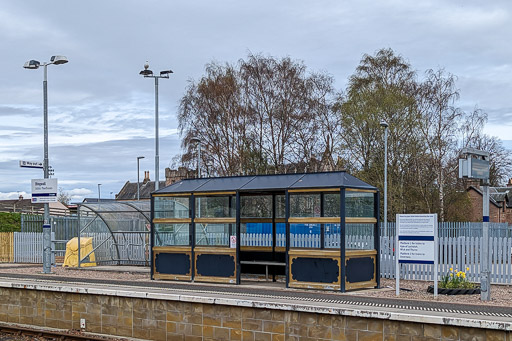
{"type": "Point", "coordinates": [415, 237]}
{"type": "Point", "coordinates": [215, 265]}
{"type": "Point", "coordinates": [172, 263]}
{"type": "Point", "coordinates": [360, 269]}
{"type": "Point", "coordinates": [316, 270]}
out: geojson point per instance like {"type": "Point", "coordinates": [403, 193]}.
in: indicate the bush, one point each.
{"type": "Point", "coordinates": [10, 222]}
{"type": "Point", "coordinates": [455, 280]}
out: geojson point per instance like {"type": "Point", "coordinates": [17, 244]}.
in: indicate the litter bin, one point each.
{"type": "Point", "coordinates": [71, 258]}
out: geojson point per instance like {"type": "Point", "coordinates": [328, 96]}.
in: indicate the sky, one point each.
{"type": "Point", "coordinates": [101, 111]}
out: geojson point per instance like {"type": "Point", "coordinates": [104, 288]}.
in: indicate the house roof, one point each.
{"type": "Point", "coordinates": [277, 182]}
{"type": "Point", "coordinates": [26, 206]}
{"type": "Point", "coordinates": [491, 195]}
{"type": "Point", "coordinates": [129, 190]}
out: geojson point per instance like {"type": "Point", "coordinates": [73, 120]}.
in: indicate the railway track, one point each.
{"type": "Point", "coordinates": [13, 332]}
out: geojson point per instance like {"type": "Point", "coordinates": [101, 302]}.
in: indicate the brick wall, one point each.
{"type": "Point", "coordinates": [495, 214]}
{"type": "Point", "coordinates": [175, 320]}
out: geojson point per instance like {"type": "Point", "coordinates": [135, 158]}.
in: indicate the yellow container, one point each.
{"type": "Point", "coordinates": [71, 258]}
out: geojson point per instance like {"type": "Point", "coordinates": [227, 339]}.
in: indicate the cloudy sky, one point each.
{"type": "Point", "coordinates": [101, 111]}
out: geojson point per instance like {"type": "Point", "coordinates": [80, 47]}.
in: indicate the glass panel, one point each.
{"type": "Point", "coordinates": [304, 205]}
{"type": "Point", "coordinates": [256, 234]}
{"type": "Point", "coordinates": [281, 234]}
{"type": "Point", "coordinates": [359, 204]}
{"type": "Point", "coordinates": [171, 234]}
{"type": "Point", "coordinates": [331, 204]}
{"type": "Point", "coordinates": [280, 206]}
{"type": "Point", "coordinates": [257, 206]}
{"type": "Point", "coordinates": [305, 235]}
{"type": "Point", "coordinates": [214, 234]}
{"type": "Point", "coordinates": [172, 207]}
{"type": "Point", "coordinates": [359, 236]}
{"type": "Point", "coordinates": [332, 236]}
{"type": "Point", "coordinates": [215, 207]}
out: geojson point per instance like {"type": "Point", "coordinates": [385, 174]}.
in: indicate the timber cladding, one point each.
{"type": "Point", "coordinates": [159, 319]}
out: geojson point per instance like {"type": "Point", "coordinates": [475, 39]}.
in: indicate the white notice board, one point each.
{"type": "Point", "coordinates": [416, 240]}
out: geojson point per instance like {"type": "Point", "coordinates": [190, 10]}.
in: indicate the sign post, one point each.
{"type": "Point", "coordinates": [45, 191]}
{"type": "Point", "coordinates": [476, 166]}
{"type": "Point", "coordinates": [416, 241]}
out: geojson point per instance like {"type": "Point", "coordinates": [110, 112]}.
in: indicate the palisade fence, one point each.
{"type": "Point", "coordinates": [460, 245]}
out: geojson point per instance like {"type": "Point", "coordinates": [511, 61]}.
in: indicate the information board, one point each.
{"type": "Point", "coordinates": [416, 235]}
{"type": "Point", "coordinates": [44, 190]}
{"type": "Point", "coordinates": [416, 241]}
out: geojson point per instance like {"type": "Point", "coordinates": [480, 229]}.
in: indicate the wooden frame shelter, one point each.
{"type": "Point", "coordinates": [317, 230]}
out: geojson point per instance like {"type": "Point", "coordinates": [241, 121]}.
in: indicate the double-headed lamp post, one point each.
{"type": "Point", "coordinates": [198, 141]}
{"type": "Point", "coordinates": [47, 246]}
{"type": "Point", "coordinates": [138, 179]}
{"type": "Point", "coordinates": [149, 74]}
{"type": "Point", "coordinates": [385, 125]}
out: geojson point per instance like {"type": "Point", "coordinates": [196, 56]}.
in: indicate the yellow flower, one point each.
{"type": "Point", "coordinates": [463, 275]}
{"type": "Point", "coordinates": [458, 274]}
{"type": "Point", "coordinates": [467, 269]}
{"type": "Point", "coordinates": [451, 269]}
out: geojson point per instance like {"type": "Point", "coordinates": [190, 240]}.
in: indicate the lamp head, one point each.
{"type": "Point", "coordinates": [165, 72]}
{"type": "Point", "coordinates": [140, 157]}
{"type": "Point", "coordinates": [32, 64]}
{"type": "Point", "coordinates": [384, 124]}
{"type": "Point", "coordinates": [57, 60]}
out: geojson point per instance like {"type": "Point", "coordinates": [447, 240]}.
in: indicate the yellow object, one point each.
{"type": "Point", "coordinates": [71, 258]}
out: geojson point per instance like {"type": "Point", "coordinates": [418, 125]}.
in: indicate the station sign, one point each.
{"type": "Point", "coordinates": [44, 190]}
{"type": "Point", "coordinates": [31, 164]}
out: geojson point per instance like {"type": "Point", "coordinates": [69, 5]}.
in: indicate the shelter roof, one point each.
{"type": "Point", "coordinates": [270, 183]}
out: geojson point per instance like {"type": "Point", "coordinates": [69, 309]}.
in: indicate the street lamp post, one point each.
{"type": "Point", "coordinates": [198, 141]}
{"type": "Point", "coordinates": [149, 74]}
{"type": "Point", "coordinates": [47, 246]}
{"type": "Point", "coordinates": [384, 124]}
{"type": "Point", "coordinates": [99, 193]}
{"type": "Point", "coordinates": [138, 179]}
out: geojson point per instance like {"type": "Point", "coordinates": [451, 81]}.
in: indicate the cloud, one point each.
{"type": "Point", "coordinates": [14, 195]}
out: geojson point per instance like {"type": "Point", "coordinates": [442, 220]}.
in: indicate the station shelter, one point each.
{"type": "Point", "coordinates": [313, 230]}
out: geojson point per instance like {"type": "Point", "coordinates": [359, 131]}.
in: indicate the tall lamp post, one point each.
{"type": "Point", "coordinates": [47, 246]}
{"type": "Point", "coordinates": [198, 141]}
{"type": "Point", "coordinates": [385, 125]}
{"type": "Point", "coordinates": [99, 193]}
{"type": "Point", "coordinates": [149, 74]}
{"type": "Point", "coordinates": [138, 179]}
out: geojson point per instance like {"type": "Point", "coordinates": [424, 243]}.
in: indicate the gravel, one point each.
{"type": "Point", "coordinates": [501, 295]}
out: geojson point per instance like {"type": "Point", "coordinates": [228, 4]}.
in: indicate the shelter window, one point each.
{"type": "Point", "coordinates": [331, 204]}
{"type": "Point", "coordinates": [305, 235]}
{"type": "Point", "coordinates": [280, 206]}
{"type": "Point", "coordinates": [359, 204]}
{"type": "Point", "coordinates": [171, 207]}
{"type": "Point", "coordinates": [305, 205]}
{"type": "Point", "coordinates": [214, 234]}
{"type": "Point", "coordinates": [332, 236]}
{"type": "Point", "coordinates": [256, 206]}
{"type": "Point", "coordinates": [215, 207]}
{"type": "Point", "coordinates": [171, 234]}
{"type": "Point", "coordinates": [359, 236]}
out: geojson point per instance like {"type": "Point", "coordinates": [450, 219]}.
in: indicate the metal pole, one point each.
{"type": "Point", "coordinates": [99, 193]}
{"type": "Point", "coordinates": [138, 180]}
{"type": "Point", "coordinates": [47, 246]}
{"type": "Point", "coordinates": [386, 184]}
{"type": "Point", "coordinates": [157, 162]}
{"type": "Point", "coordinates": [485, 285]}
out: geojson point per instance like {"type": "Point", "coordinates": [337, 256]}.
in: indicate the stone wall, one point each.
{"type": "Point", "coordinates": [167, 319]}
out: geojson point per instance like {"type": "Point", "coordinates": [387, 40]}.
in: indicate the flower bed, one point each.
{"type": "Point", "coordinates": [455, 283]}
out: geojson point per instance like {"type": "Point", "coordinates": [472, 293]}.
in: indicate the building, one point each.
{"type": "Point", "coordinates": [22, 205]}
{"type": "Point", "coordinates": [500, 202]}
{"type": "Point", "coordinates": [129, 190]}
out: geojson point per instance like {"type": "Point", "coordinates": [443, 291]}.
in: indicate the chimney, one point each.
{"type": "Point", "coordinates": [509, 182]}
{"type": "Point", "coordinates": [146, 177]}
{"type": "Point", "coordinates": [20, 198]}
